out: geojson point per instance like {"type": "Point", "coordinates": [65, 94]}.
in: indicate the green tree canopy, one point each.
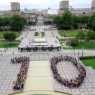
{"type": "Point", "coordinates": [6, 21]}
{"type": "Point", "coordinates": [91, 22]}
{"type": "Point", "coordinates": [17, 22]}
{"type": "Point", "coordinates": [83, 19]}
{"type": "Point", "coordinates": [57, 21]}
{"type": "Point", "coordinates": [9, 37]}
{"type": "Point", "coordinates": [67, 20]}
{"type": "Point", "coordinates": [1, 22]}
{"type": "Point", "coordinates": [75, 21]}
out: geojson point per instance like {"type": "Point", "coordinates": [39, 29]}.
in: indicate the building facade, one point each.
{"type": "Point", "coordinates": [15, 7]}
{"type": "Point", "coordinates": [48, 15]}
{"type": "Point", "coordinates": [31, 14]}
{"type": "Point", "coordinates": [64, 5]}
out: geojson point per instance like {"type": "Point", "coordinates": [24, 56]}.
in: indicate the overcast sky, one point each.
{"type": "Point", "coordinates": [44, 4]}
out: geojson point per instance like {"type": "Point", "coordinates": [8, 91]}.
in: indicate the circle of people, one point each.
{"type": "Point", "coordinates": [73, 83]}
{"type": "Point", "coordinates": [21, 76]}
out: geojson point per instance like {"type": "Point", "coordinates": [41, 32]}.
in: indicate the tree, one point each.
{"type": "Point", "coordinates": [83, 21]}
{"type": "Point", "coordinates": [67, 20]}
{"type": "Point", "coordinates": [75, 21]}
{"type": "Point", "coordinates": [23, 20]}
{"type": "Point", "coordinates": [9, 37]}
{"type": "Point", "coordinates": [17, 22]}
{"type": "Point", "coordinates": [91, 22]}
{"type": "Point", "coordinates": [1, 22]}
{"type": "Point", "coordinates": [6, 21]}
{"type": "Point", "coordinates": [73, 42]}
{"type": "Point", "coordinates": [93, 25]}
{"type": "Point", "coordinates": [57, 21]}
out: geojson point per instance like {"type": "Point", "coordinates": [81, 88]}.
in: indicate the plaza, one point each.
{"type": "Point", "coordinates": [38, 61]}
{"type": "Point", "coordinates": [39, 76]}
{"type": "Point", "coordinates": [40, 65]}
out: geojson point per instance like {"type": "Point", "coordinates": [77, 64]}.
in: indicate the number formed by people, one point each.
{"type": "Point", "coordinates": [21, 76]}
{"type": "Point", "coordinates": [73, 83]}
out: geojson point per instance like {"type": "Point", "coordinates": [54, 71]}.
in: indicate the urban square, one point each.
{"type": "Point", "coordinates": [47, 51]}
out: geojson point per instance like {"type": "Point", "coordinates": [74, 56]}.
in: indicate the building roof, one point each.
{"type": "Point", "coordinates": [27, 11]}
{"type": "Point", "coordinates": [52, 12]}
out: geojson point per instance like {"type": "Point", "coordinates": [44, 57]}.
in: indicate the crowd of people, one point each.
{"type": "Point", "coordinates": [21, 76]}
{"type": "Point", "coordinates": [68, 83]}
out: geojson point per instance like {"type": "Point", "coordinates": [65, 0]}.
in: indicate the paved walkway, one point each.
{"type": "Point", "coordinates": [76, 52]}
{"type": "Point", "coordinates": [39, 77]}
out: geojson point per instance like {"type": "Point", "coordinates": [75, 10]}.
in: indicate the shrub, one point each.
{"type": "Point", "coordinates": [87, 57]}
{"type": "Point", "coordinates": [43, 34]}
{"type": "Point", "coordinates": [80, 35]}
{"type": "Point", "coordinates": [73, 42]}
{"type": "Point", "coordinates": [36, 33]}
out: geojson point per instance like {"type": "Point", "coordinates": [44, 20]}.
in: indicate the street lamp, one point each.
{"type": "Point", "coordinates": [82, 51]}
{"type": "Point", "coordinates": [74, 50]}
{"type": "Point", "coordinates": [29, 41]}
{"type": "Point", "coordinates": [4, 46]}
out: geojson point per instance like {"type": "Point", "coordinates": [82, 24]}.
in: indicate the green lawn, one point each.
{"type": "Point", "coordinates": [89, 62]}
{"type": "Point", "coordinates": [3, 32]}
{"type": "Point", "coordinates": [85, 45]}
{"type": "Point", "coordinates": [71, 33]}
{"type": "Point", "coordinates": [9, 45]}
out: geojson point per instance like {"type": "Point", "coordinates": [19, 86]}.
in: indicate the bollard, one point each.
{"type": "Point", "coordinates": [1, 53]}
{"type": "Point", "coordinates": [13, 52]}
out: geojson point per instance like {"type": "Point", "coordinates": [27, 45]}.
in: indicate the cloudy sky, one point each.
{"type": "Point", "coordinates": [44, 4]}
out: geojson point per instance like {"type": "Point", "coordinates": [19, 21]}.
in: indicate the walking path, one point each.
{"type": "Point", "coordinates": [39, 77]}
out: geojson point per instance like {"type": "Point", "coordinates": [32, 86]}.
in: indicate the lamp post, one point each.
{"type": "Point", "coordinates": [4, 46]}
{"type": "Point", "coordinates": [74, 50]}
{"type": "Point", "coordinates": [82, 51]}
{"type": "Point", "coordinates": [29, 41]}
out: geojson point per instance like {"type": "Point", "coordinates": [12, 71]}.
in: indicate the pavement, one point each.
{"type": "Point", "coordinates": [39, 77]}
{"type": "Point", "coordinates": [77, 52]}
{"type": "Point", "coordinates": [8, 71]}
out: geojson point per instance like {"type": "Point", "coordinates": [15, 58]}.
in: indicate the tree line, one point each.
{"type": "Point", "coordinates": [69, 21]}
{"type": "Point", "coordinates": [14, 22]}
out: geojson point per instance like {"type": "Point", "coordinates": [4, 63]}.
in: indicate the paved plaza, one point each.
{"type": "Point", "coordinates": [39, 76]}
{"type": "Point", "coordinates": [9, 72]}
